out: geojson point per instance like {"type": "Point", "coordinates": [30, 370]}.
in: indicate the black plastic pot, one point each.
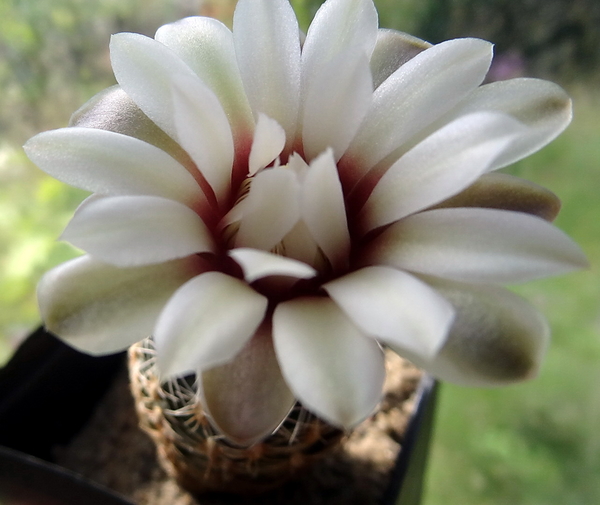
{"type": "Point", "coordinates": [47, 393]}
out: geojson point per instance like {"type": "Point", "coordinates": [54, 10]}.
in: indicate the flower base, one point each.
{"type": "Point", "coordinates": [108, 448]}
{"type": "Point", "coordinates": [202, 460]}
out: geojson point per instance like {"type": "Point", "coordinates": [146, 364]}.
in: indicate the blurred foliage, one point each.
{"type": "Point", "coordinates": [555, 38]}
{"type": "Point", "coordinates": [531, 444]}
{"type": "Point", "coordinates": [54, 55]}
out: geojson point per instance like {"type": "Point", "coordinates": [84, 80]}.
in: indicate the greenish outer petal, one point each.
{"type": "Point", "coordinates": [247, 398]}
{"type": "Point", "coordinates": [392, 50]}
{"type": "Point", "coordinates": [503, 191]}
{"type": "Point", "coordinates": [541, 105]}
{"type": "Point", "coordinates": [102, 309]}
{"type": "Point", "coordinates": [113, 110]}
{"type": "Point", "coordinates": [497, 337]}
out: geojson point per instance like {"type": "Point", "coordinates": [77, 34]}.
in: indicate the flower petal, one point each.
{"type": "Point", "coordinates": [393, 49]}
{"type": "Point", "coordinates": [332, 368]}
{"type": "Point", "coordinates": [144, 68]}
{"type": "Point", "coordinates": [206, 323]}
{"type": "Point", "coordinates": [395, 308]}
{"type": "Point", "coordinates": [503, 191]}
{"type": "Point", "coordinates": [101, 309]}
{"type": "Point", "coordinates": [339, 26]}
{"type": "Point", "coordinates": [477, 245]}
{"type": "Point", "coordinates": [267, 46]}
{"type": "Point", "coordinates": [414, 96]}
{"type": "Point", "coordinates": [337, 100]}
{"type": "Point", "coordinates": [206, 46]}
{"type": "Point", "coordinates": [110, 163]}
{"type": "Point", "coordinates": [247, 399]}
{"type": "Point", "coordinates": [129, 231]}
{"type": "Point", "coordinates": [541, 105]}
{"type": "Point", "coordinates": [440, 166]}
{"type": "Point", "coordinates": [323, 209]}
{"type": "Point", "coordinates": [257, 264]}
{"type": "Point", "coordinates": [271, 209]}
{"type": "Point", "coordinates": [269, 141]}
{"type": "Point", "coordinates": [498, 338]}
{"type": "Point", "coordinates": [113, 110]}
{"type": "Point", "coordinates": [203, 131]}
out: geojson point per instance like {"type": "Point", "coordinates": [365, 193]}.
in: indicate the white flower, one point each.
{"type": "Point", "coordinates": [272, 212]}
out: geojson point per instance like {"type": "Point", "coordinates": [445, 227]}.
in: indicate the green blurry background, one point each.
{"type": "Point", "coordinates": [532, 444]}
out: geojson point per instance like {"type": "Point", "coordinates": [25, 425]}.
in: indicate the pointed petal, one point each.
{"type": "Point", "coordinates": [206, 323]}
{"type": "Point", "coordinates": [336, 102]}
{"type": "Point", "coordinates": [442, 165]}
{"type": "Point", "coordinates": [541, 105]}
{"type": "Point", "coordinates": [477, 245]}
{"type": "Point", "coordinates": [129, 231]}
{"type": "Point", "coordinates": [101, 309]}
{"type": "Point", "coordinates": [323, 209]}
{"type": "Point", "coordinates": [338, 26]}
{"type": "Point", "coordinates": [393, 49]}
{"type": "Point", "coordinates": [144, 68]}
{"type": "Point", "coordinates": [332, 368]}
{"type": "Point", "coordinates": [271, 209]}
{"type": "Point", "coordinates": [113, 110]}
{"type": "Point", "coordinates": [257, 264]}
{"type": "Point", "coordinates": [110, 163]}
{"type": "Point", "coordinates": [503, 191]}
{"type": "Point", "coordinates": [267, 46]}
{"type": "Point", "coordinates": [269, 141]}
{"type": "Point", "coordinates": [395, 308]}
{"type": "Point", "coordinates": [203, 131]}
{"type": "Point", "coordinates": [206, 46]}
{"type": "Point", "coordinates": [498, 338]}
{"type": "Point", "coordinates": [417, 94]}
{"type": "Point", "coordinates": [300, 245]}
{"type": "Point", "coordinates": [247, 399]}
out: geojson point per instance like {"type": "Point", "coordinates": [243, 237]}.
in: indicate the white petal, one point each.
{"type": "Point", "coordinates": [300, 245]}
{"type": "Point", "coordinates": [110, 163]}
{"type": "Point", "coordinates": [257, 264]}
{"type": "Point", "coordinates": [332, 368]}
{"type": "Point", "coordinates": [336, 102]}
{"type": "Point", "coordinates": [393, 49]}
{"type": "Point", "coordinates": [131, 231]}
{"type": "Point", "coordinates": [541, 105]}
{"type": "Point", "coordinates": [395, 308]}
{"type": "Point", "coordinates": [269, 141]}
{"type": "Point", "coordinates": [498, 338]}
{"type": "Point", "coordinates": [101, 309]}
{"type": "Point", "coordinates": [247, 399]}
{"type": "Point", "coordinates": [206, 323]}
{"type": "Point", "coordinates": [417, 94]}
{"type": "Point", "coordinates": [267, 46]}
{"type": "Point", "coordinates": [338, 26]}
{"type": "Point", "coordinates": [144, 68]}
{"type": "Point", "coordinates": [440, 166]}
{"type": "Point", "coordinates": [323, 209]}
{"type": "Point", "coordinates": [477, 245]}
{"type": "Point", "coordinates": [203, 131]}
{"type": "Point", "coordinates": [271, 209]}
{"type": "Point", "coordinates": [206, 46]}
